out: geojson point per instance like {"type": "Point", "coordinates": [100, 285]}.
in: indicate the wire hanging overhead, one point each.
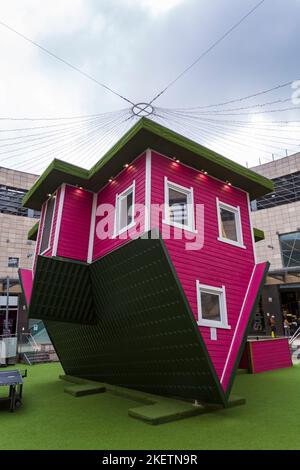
{"type": "Point", "coordinates": [73, 67]}
{"type": "Point", "coordinates": [207, 51]}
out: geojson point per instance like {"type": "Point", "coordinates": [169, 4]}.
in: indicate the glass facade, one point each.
{"type": "Point", "coordinates": [287, 190]}
{"type": "Point", "coordinates": [11, 202]}
{"type": "Point", "coordinates": [290, 249]}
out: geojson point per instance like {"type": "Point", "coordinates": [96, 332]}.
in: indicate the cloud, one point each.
{"type": "Point", "coordinates": [137, 47]}
{"type": "Point", "coordinates": [155, 7]}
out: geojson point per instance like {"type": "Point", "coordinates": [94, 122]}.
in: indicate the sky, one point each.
{"type": "Point", "coordinates": [137, 47]}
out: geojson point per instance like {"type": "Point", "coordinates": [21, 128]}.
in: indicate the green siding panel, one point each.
{"type": "Point", "coordinates": [145, 336]}
{"type": "Point", "coordinates": [33, 232]}
{"type": "Point", "coordinates": [61, 291]}
{"type": "Point", "coordinates": [258, 234]}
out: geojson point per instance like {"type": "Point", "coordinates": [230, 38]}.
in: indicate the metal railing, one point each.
{"type": "Point", "coordinates": [294, 336]}
{"type": "Point", "coordinates": [28, 343]}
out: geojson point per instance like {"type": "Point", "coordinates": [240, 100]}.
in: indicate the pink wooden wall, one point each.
{"type": "Point", "coordinates": [243, 319]}
{"type": "Point", "coordinates": [135, 172]}
{"type": "Point", "coordinates": [217, 263]}
{"type": "Point", "coordinates": [27, 281]}
{"type": "Point", "coordinates": [74, 231]}
{"type": "Point", "coordinates": [270, 354]}
{"type": "Point", "coordinates": [75, 225]}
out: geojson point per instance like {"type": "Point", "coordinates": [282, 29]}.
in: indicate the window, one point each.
{"type": "Point", "coordinates": [230, 225]}
{"type": "Point", "coordinates": [13, 262]}
{"type": "Point", "coordinates": [179, 206]}
{"type": "Point", "coordinates": [47, 226]}
{"type": "Point", "coordinates": [290, 249]}
{"type": "Point", "coordinates": [286, 190]}
{"type": "Point", "coordinates": [124, 216]}
{"type": "Point", "coordinates": [11, 202]}
{"type": "Point", "coordinates": [212, 309]}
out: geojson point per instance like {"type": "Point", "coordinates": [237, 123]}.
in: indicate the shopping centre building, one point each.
{"type": "Point", "coordinates": [278, 215]}
{"type": "Point", "coordinates": [15, 248]}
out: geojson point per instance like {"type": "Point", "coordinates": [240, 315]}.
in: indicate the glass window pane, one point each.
{"type": "Point", "coordinates": [47, 225]}
{"type": "Point", "coordinates": [125, 210]}
{"type": "Point", "coordinates": [290, 249]}
{"type": "Point", "coordinates": [129, 208]}
{"type": "Point", "coordinates": [178, 207]}
{"type": "Point", "coordinates": [228, 225]}
{"type": "Point", "coordinates": [13, 262]}
{"type": "Point", "coordinates": [210, 306]}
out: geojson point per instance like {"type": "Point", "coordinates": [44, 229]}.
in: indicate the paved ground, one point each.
{"type": "Point", "coordinates": [52, 419]}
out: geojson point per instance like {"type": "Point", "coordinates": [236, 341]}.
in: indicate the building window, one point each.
{"type": "Point", "coordinates": [230, 225]}
{"type": "Point", "coordinates": [212, 310]}
{"type": "Point", "coordinates": [124, 215]}
{"type": "Point", "coordinates": [290, 249]}
{"type": "Point", "coordinates": [13, 262]}
{"type": "Point", "coordinates": [47, 225]}
{"type": "Point", "coordinates": [11, 202]}
{"type": "Point", "coordinates": [179, 206]}
{"type": "Point", "coordinates": [286, 190]}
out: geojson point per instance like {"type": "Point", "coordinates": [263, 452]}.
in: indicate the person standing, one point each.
{"type": "Point", "coordinates": [287, 327]}
{"type": "Point", "coordinates": [273, 326]}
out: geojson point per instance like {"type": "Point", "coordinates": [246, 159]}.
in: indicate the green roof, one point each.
{"type": "Point", "coordinates": [146, 134]}
{"type": "Point", "coordinates": [258, 234]}
{"type": "Point", "coordinates": [32, 233]}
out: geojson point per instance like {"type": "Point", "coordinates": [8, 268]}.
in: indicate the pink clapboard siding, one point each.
{"type": "Point", "coordinates": [135, 172]}
{"type": "Point", "coordinates": [243, 319]}
{"type": "Point", "coordinates": [27, 281]}
{"type": "Point", "coordinates": [270, 354]}
{"type": "Point", "coordinates": [217, 263]}
{"type": "Point", "coordinates": [73, 241]}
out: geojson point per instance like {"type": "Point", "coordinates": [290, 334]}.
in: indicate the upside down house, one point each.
{"type": "Point", "coordinates": [145, 272]}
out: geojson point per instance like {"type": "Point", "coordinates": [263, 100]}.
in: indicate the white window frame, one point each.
{"type": "Point", "coordinates": [189, 192]}
{"type": "Point", "coordinates": [221, 292]}
{"type": "Point", "coordinates": [54, 196]}
{"type": "Point", "coordinates": [238, 224]}
{"type": "Point", "coordinates": [119, 197]}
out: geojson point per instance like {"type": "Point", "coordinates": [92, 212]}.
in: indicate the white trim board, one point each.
{"type": "Point", "coordinates": [119, 197]}
{"type": "Point", "coordinates": [238, 223]}
{"type": "Point", "coordinates": [251, 228]}
{"type": "Point", "coordinates": [92, 229]}
{"type": "Point", "coordinates": [221, 293]}
{"type": "Point", "coordinates": [189, 193]}
{"type": "Point", "coordinates": [59, 217]}
{"type": "Point", "coordinates": [237, 325]}
{"type": "Point", "coordinates": [54, 195]}
{"type": "Point", "coordinates": [148, 191]}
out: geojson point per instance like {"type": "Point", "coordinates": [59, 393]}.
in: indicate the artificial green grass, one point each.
{"type": "Point", "coordinates": [52, 419]}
